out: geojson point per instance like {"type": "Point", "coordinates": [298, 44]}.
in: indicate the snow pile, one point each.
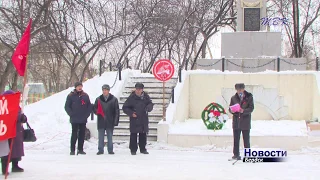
{"type": "Point", "coordinates": [275, 128]}
{"type": "Point", "coordinates": [177, 91]}
{"type": "Point", "coordinates": [49, 119]}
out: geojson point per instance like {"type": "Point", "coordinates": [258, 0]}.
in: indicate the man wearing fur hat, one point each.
{"type": "Point", "coordinates": [79, 108]}
{"type": "Point", "coordinates": [241, 119]}
{"type": "Point", "coordinates": [137, 107]}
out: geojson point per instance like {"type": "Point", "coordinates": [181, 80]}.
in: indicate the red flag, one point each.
{"type": "Point", "coordinates": [100, 110]}
{"type": "Point", "coordinates": [9, 109]}
{"type": "Point", "coordinates": [19, 57]}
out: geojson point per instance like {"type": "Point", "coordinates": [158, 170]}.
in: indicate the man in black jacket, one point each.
{"type": "Point", "coordinates": [241, 120]}
{"type": "Point", "coordinates": [78, 107]}
{"type": "Point", "coordinates": [137, 107]}
{"type": "Point", "coordinates": [106, 107]}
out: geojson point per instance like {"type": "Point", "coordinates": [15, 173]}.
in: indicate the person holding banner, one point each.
{"type": "Point", "coordinates": [17, 147]}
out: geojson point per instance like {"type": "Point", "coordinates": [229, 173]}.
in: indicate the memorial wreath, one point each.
{"type": "Point", "coordinates": [214, 116]}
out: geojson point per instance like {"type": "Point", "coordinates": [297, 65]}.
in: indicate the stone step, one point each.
{"type": "Point", "coordinates": [149, 91]}
{"type": "Point", "coordinates": [152, 85]}
{"type": "Point", "coordinates": [156, 117]}
{"type": "Point", "coordinates": [126, 123]}
{"type": "Point", "coordinates": [151, 77]}
{"type": "Point", "coordinates": [149, 88]}
{"type": "Point", "coordinates": [156, 110]}
{"type": "Point", "coordinates": [150, 114]}
{"type": "Point", "coordinates": [151, 81]}
{"type": "Point", "coordinates": [126, 137]}
{"type": "Point", "coordinates": [155, 105]}
{"type": "Point", "coordinates": [125, 129]}
{"type": "Point", "coordinates": [155, 101]}
{"type": "Point", "coordinates": [152, 96]}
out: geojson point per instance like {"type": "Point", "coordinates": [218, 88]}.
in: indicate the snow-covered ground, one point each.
{"type": "Point", "coordinates": [275, 128]}
{"type": "Point", "coordinates": [162, 164]}
{"type": "Point", "coordinates": [48, 158]}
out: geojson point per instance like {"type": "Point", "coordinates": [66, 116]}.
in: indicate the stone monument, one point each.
{"type": "Point", "coordinates": [249, 15]}
{"type": "Point", "coordinates": [252, 40]}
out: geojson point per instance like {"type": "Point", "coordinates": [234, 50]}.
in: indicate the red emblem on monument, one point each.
{"type": "Point", "coordinates": [163, 70]}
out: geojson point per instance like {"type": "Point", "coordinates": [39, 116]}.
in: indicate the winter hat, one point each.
{"type": "Point", "coordinates": [139, 86]}
{"type": "Point", "coordinates": [8, 92]}
{"type": "Point", "coordinates": [239, 86]}
{"type": "Point", "coordinates": [106, 86]}
{"type": "Point", "coordinates": [77, 84]}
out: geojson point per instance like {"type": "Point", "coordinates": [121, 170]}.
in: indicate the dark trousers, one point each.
{"type": "Point", "coordinates": [78, 133]}
{"type": "Point", "coordinates": [236, 140]}
{"type": "Point", "coordinates": [142, 142]}
{"type": "Point", "coordinates": [4, 161]}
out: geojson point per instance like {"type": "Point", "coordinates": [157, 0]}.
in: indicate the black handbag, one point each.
{"type": "Point", "coordinates": [29, 135]}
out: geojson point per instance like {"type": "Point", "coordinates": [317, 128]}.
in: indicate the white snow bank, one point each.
{"type": "Point", "coordinates": [173, 106]}
{"type": "Point", "coordinates": [259, 128]}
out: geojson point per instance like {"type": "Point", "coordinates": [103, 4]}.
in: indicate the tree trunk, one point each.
{"type": "Point", "coordinates": [15, 82]}
{"type": "Point", "coordinates": [4, 77]}
{"type": "Point", "coordinates": [204, 48]}
{"type": "Point", "coordinates": [295, 11]}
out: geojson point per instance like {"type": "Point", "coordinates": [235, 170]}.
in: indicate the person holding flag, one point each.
{"type": "Point", "coordinates": [17, 150]}
{"type": "Point", "coordinates": [106, 107]}
{"type": "Point", "coordinates": [19, 60]}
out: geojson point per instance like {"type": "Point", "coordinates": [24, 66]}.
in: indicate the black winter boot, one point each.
{"type": "Point", "coordinates": [3, 166]}
{"type": "Point", "coordinates": [15, 167]}
{"type": "Point", "coordinates": [144, 152]}
{"type": "Point", "coordinates": [81, 152]}
{"type": "Point", "coordinates": [236, 157]}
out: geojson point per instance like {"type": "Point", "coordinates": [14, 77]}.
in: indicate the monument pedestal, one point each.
{"type": "Point", "coordinates": [250, 44]}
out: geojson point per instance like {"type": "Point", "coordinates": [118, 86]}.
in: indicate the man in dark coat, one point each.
{"type": "Point", "coordinates": [137, 107]}
{"type": "Point", "coordinates": [106, 107]}
{"type": "Point", "coordinates": [78, 107]}
{"type": "Point", "coordinates": [17, 147]}
{"type": "Point", "coordinates": [241, 120]}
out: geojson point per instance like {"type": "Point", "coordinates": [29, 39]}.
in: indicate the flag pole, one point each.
{"type": "Point", "coordinates": [25, 78]}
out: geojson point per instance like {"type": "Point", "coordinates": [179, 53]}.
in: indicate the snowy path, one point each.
{"type": "Point", "coordinates": [161, 164]}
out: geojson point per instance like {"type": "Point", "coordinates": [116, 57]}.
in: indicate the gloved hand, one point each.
{"type": "Point", "coordinates": [23, 118]}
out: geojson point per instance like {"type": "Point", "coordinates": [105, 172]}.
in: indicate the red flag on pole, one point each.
{"type": "Point", "coordinates": [19, 57]}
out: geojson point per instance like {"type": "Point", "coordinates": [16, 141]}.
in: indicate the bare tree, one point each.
{"type": "Point", "coordinates": [302, 15]}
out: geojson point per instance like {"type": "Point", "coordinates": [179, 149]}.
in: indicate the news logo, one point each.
{"type": "Point", "coordinates": [264, 155]}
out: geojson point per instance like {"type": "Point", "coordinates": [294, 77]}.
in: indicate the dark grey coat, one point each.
{"type": "Point", "coordinates": [17, 147]}
{"type": "Point", "coordinates": [242, 120]}
{"type": "Point", "coordinates": [111, 112]}
{"type": "Point", "coordinates": [78, 107]}
{"type": "Point", "coordinates": [141, 106]}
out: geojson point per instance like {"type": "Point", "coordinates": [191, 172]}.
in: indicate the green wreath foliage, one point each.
{"type": "Point", "coordinates": [213, 122]}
